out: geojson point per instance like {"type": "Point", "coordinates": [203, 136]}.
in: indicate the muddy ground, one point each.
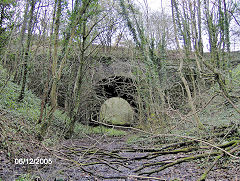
{"type": "Point", "coordinates": [109, 158]}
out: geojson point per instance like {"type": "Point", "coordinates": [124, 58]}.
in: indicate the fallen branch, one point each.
{"type": "Point", "coordinates": [184, 150]}
{"type": "Point", "coordinates": [172, 135]}
{"type": "Point", "coordinates": [143, 177]}
{"type": "Point", "coordinates": [160, 153]}
{"type": "Point", "coordinates": [181, 160]}
{"type": "Point", "coordinates": [234, 144]}
{"type": "Point", "coordinates": [205, 174]}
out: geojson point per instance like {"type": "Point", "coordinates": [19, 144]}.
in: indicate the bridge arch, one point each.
{"type": "Point", "coordinates": [117, 86]}
{"type": "Point", "coordinates": [114, 86]}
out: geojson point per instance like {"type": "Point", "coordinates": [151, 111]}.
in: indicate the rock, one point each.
{"type": "Point", "coordinates": [116, 111]}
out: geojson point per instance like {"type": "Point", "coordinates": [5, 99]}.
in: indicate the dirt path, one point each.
{"type": "Point", "coordinates": [108, 158]}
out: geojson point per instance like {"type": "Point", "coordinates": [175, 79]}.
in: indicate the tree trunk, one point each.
{"type": "Point", "coordinates": [190, 100]}
{"type": "Point", "coordinates": [20, 55]}
{"type": "Point", "coordinates": [57, 73]}
{"type": "Point", "coordinates": [77, 87]}
{"type": "Point", "coordinates": [53, 94]}
{"type": "Point", "coordinates": [185, 83]}
{"type": "Point", "coordinates": [27, 52]}
{"type": "Point", "coordinates": [199, 14]}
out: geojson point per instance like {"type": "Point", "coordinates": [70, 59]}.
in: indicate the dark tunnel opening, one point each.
{"type": "Point", "coordinates": [118, 86]}
{"type": "Point", "coordinates": [114, 86]}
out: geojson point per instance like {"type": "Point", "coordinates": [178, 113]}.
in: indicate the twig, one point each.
{"type": "Point", "coordinates": [181, 160]}
{"type": "Point", "coordinates": [200, 110]}
{"type": "Point", "coordinates": [160, 153]}
{"type": "Point", "coordinates": [204, 175]}
{"type": "Point", "coordinates": [171, 135]}
{"type": "Point", "coordinates": [234, 106]}
{"type": "Point", "coordinates": [144, 177]}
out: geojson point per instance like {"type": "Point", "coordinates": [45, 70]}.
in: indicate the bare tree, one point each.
{"type": "Point", "coordinates": [27, 49]}
{"type": "Point", "coordinates": [185, 33]}
{"type": "Point", "coordinates": [57, 72]}
{"type": "Point", "coordinates": [91, 29]}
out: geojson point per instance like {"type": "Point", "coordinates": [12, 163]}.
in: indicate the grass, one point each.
{"type": "Point", "coordinates": [213, 114]}
{"type": "Point", "coordinates": [29, 108]}
{"type": "Point", "coordinates": [23, 115]}
{"type": "Point", "coordinates": [135, 139]}
{"type": "Point", "coordinates": [81, 130]}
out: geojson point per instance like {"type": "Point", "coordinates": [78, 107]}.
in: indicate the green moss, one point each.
{"type": "Point", "coordinates": [234, 80]}
{"type": "Point", "coordinates": [24, 177]}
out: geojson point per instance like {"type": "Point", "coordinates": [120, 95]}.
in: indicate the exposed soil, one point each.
{"type": "Point", "coordinates": [109, 158]}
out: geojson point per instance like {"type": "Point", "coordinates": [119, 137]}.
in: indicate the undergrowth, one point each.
{"type": "Point", "coordinates": [29, 110]}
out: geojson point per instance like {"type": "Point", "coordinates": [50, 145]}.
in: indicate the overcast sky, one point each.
{"type": "Point", "coordinates": [156, 4]}
{"type": "Point", "coordinates": [166, 4]}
